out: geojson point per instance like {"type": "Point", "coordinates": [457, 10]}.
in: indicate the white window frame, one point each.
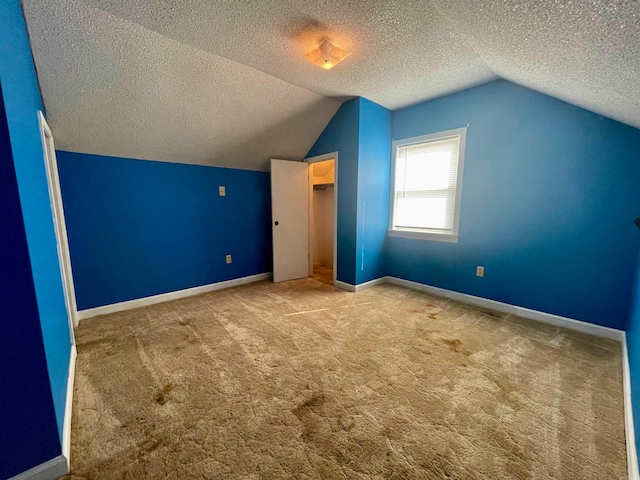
{"type": "Point", "coordinates": [419, 233]}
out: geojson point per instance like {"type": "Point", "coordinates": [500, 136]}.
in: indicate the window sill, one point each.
{"type": "Point", "coordinates": [420, 235]}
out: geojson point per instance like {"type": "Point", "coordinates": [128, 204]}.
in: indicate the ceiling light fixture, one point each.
{"type": "Point", "coordinates": [326, 55]}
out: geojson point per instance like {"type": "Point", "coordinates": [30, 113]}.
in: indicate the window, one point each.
{"type": "Point", "coordinates": [427, 183]}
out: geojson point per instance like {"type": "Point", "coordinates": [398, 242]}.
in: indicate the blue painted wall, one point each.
{"type": "Point", "coordinates": [374, 156]}
{"type": "Point", "coordinates": [549, 192]}
{"type": "Point", "coordinates": [341, 135]}
{"type": "Point", "coordinates": [22, 100]}
{"type": "Point", "coordinates": [138, 228]}
{"type": "Point", "coordinates": [28, 433]}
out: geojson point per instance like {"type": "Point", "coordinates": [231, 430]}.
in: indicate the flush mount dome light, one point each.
{"type": "Point", "coordinates": [326, 55]}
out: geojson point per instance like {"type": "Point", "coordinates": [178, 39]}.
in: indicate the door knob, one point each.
{"type": "Point", "coordinates": [276, 222]}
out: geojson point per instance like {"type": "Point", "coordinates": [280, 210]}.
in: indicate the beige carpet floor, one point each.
{"type": "Point", "coordinates": [300, 380]}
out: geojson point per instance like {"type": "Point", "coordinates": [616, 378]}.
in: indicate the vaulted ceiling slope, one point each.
{"type": "Point", "coordinates": [110, 70]}
{"type": "Point", "coordinates": [113, 87]}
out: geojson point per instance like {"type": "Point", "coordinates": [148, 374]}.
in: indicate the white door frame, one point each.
{"type": "Point", "coordinates": [321, 158]}
{"type": "Point", "coordinates": [64, 257]}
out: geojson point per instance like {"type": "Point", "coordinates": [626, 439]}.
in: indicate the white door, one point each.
{"type": "Point", "coordinates": [290, 217]}
{"type": "Point", "coordinates": [58, 222]}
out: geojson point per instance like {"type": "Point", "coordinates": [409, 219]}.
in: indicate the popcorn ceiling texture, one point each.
{"type": "Point", "coordinates": [112, 87]}
{"type": "Point", "coordinates": [92, 64]}
{"type": "Point", "coordinates": [583, 52]}
{"type": "Point", "coordinates": [402, 52]}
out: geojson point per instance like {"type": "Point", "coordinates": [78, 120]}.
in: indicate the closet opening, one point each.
{"type": "Point", "coordinates": [322, 219]}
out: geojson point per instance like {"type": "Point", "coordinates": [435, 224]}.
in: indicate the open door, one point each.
{"type": "Point", "coordinates": [60, 228]}
{"type": "Point", "coordinates": [290, 217]}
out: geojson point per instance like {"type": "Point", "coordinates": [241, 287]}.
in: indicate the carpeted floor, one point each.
{"type": "Point", "coordinates": [300, 380]}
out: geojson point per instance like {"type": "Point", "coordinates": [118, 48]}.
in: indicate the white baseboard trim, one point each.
{"type": "Point", "coordinates": [66, 427]}
{"type": "Point", "coordinates": [165, 297]}
{"type": "Point", "coordinates": [632, 454]}
{"type": "Point", "coordinates": [577, 325]}
{"type": "Point", "coordinates": [557, 320]}
{"type": "Point", "coordinates": [371, 283]}
{"type": "Point", "coordinates": [60, 465]}
{"type": "Point", "coordinates": [549, 318]}
{"type": "Point", "coordinates": [344, 286]}
{"type": "Point", "coordinates": [362, 286]}
{"type": "Point", "coordinates": [54, 468]}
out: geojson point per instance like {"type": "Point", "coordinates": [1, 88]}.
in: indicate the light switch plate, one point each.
{"type": "Point", "coordinates": [222, 191]}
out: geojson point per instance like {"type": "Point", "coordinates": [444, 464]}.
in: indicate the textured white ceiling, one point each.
{"type": "Point", "coordinates": [402, 51]}
{"type": "Point", "coordinates": [113, 87]}
{"type": "Point", "coordinates": [586, 52]}
{"type": "Point", "coordinates": [211, 110]}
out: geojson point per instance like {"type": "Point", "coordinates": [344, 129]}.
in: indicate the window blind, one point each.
{"type": "Point", "coordinates": [425, 185]}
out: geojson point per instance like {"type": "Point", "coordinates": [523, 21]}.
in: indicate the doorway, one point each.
{"type": "Point", "coordinates": [64, 257]}
{"type": "Point", "coordinates": [323, 217]}
{"type": "Point", "coordinates": [294, 218]}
